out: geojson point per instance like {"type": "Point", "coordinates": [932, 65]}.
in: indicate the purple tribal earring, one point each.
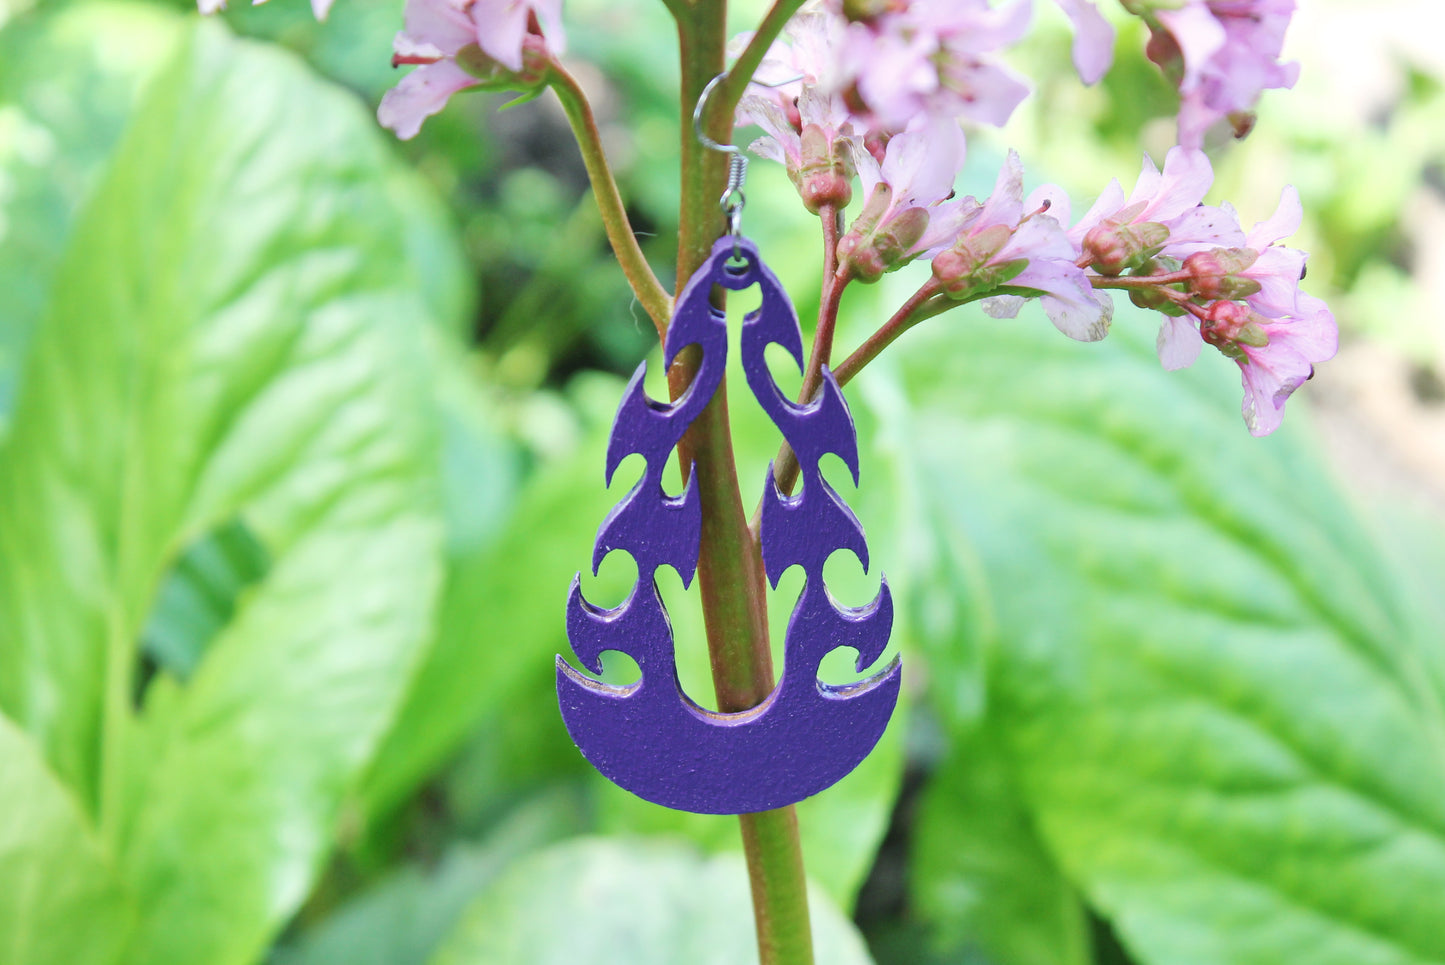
{"type": "Point", "coordinates": [650, 737]}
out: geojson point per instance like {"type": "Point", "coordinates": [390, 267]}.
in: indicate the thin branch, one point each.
{"type": "Point", "coordinates": [833, 287]}
{"type": "Point", "coordinates": [731, 90]}
{"type": "Point", "coordinates": [1127, 282]}
{"type": "Point", "coordinates": [649, 291]}
{"type": "Point", "coordinates": [924, 304]}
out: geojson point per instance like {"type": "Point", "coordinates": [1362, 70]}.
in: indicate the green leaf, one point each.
{"type": "Point", "coordinates": [637, 901]}
{"type": "Point", "coordinates": [69, 78]}
{"type": "Point", "coordinates": [235, 333]}
{"type": "Point", "coordinates": [500, 623]}
{"type": "Point", "coordinates": [981, 876]}
{"type": "Point", "coordinates": [60, 899]}
{"type": "Point", "coordinates": [1197, 662]}
{"type": "Point", "coordinates": [404, 918]}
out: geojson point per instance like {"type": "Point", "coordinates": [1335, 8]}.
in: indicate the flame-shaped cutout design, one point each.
{"type": "Point", "coordinates": [650, 737]}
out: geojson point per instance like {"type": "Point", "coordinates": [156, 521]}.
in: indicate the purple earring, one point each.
{"type": "Point", "coordinates": [650, 737]}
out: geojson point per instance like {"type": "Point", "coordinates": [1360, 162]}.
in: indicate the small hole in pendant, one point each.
{"type": "Point", "coordinates": [786, 372]}
{"type": "Point", "coordinates": [619, 669]}
{"type": "Point", "coordinates": [839, 668]}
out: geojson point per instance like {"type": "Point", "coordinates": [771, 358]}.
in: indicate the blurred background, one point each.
{"type": "Point", "coordinates": [301, 443]}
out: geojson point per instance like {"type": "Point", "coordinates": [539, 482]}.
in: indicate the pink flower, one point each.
{"type": "Point", "coordinates": [1278, 270]}
{"type": "Point", "coordinates": [935, 59]}
{"type": "Point", "coordinates": [903, 194]}
{"type": "Point", "coordinates": [808, 128]}
{"type": "Point", "coordinates": [1272, 372]}
{"type": "Point", "coordinates": [1299, 328]}
{"type": "Point", "coordinates": [1163, 216]}
{"type": "Point", "coordinates": [1274, 332]}
{"type": "Point", "coordinates": [1001, 245]}
{"type": "Point", "coordinates": [1221, 54]}
{"type": "Point", "coordinates": [466, 43]}
{"type": "Point", "coordinates": [502, 26]}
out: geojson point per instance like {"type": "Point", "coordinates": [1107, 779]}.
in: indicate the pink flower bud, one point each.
{"type": "Point", "coordinates": [964, 269]}
{"type": "Point", "coordinates": [824, 176]}
{"type": "Point", "coordinates": [881, 245]}
{"type": "Point", "coordinates": [1230, 325]}
{"type": "Point", "coordinates": [1113, 248]}
{"type": "Point", "coordinates": [1215, 274]}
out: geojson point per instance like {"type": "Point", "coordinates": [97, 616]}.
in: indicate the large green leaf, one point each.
{"type": "Point", "coordinates": [199, 597]}
{"type": "Point", "coordinates": [54, 873]}
{"type": "Point", "coordinates": [981, 877]}
{"type": "Point", "coordinates": [69, 76]}
{"type": "Point", "coordinates": [637, 901]}
{"type": "Point", "coordinates": [404, 918]}
{"type": "Point", "coordinates": [236, 334]}
{"type": "Point", "coordinates": [500, 621]}
{"type": "Point", "coordinates": [1217, 712]}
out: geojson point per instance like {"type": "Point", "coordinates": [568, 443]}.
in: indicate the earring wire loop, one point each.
{"type": "Point", "coordinates": [733, 200]}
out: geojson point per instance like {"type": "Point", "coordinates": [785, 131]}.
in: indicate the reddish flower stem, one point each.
{"type": "Point", "coordinates": [1140, 281]}
{"type": "Point", "coordinates": [833, 286]}
{"type": "Point", "coordinates": [922, 304]}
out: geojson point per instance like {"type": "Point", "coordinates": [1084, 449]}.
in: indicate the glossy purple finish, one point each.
{"type": "Point", "coordinates": [650, 737]}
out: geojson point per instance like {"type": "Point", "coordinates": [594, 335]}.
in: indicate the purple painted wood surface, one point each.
{"type": "Point", "coordinates": [650, 737]}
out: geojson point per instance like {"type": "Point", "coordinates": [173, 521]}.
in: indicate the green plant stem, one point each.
{"type": "Point", "coordinates": [731, 90]}
{"type": "Point", "coordinates": [780, 895]}
{"type": "Point", "coordinates": [649, 291]}
{"type": "Point", "coordinates": [730, 570]}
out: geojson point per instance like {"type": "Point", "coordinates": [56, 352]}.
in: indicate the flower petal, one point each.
{"type": "Point", "coordinates": [501, 26]}
{"type": "Point", "coordinates": [1186, 180]}
{"type": "Point", "coordinates": [1178, 343]}
{"type": "Point", "coordinates": [421, 93]}
{"type": "Point", "coordinates": [1284, 222]}
{"type": "Point", "coordinates": [1093, 39]}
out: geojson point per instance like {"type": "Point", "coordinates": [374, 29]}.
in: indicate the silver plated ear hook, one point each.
{"type": "Point", "coordinates": [733, 199]}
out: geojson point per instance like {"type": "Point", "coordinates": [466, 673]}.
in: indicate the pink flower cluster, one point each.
{"type": "Point", "coordinates": [898, 61]}
{"type": "Point", "coordinates": [1010, 249]}
{"type": "Point", "coordinates": [1221, 54]}
{"type": "Point", "coordinates": [882, 97]}
{"type": "Point", "coordinates": [1215, 283]}
{"type": "Point", "coordinates": [501, 44]}
{"type": "Point", "coordinates": [896, 66]}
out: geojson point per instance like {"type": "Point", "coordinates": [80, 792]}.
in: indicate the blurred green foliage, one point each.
{"type": "Point", "coordinates": [303, 436]}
